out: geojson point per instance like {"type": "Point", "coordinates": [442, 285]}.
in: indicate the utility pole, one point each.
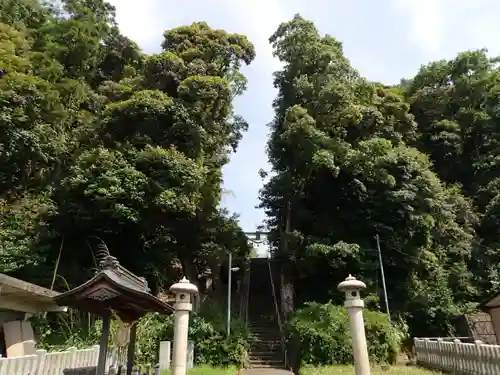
{"type": "Point", "coordinates": [229, 285]}
{"type": "Point", "coordinates": [383, 280]}
{"type": "Point", "coordinates": [230, 271]}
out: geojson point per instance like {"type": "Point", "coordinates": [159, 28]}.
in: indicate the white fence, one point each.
{"type": "Point", "coordinates": [44, 363]}
{"type": "Point", "coordinates": [458, 357]}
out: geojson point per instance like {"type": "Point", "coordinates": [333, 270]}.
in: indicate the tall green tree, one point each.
{"type": "Point", "coordinates": [115, 146]}
{"type": "Point", "coordinates": [455, 103]}
{"type": "Point", "coordinates": [343, 172]}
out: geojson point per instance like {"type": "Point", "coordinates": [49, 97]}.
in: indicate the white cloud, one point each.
{"type": "Point", "coordinates": [427, 21]}
{"type": "Point", "coordinates": [146, 20]}
{"type": "Point", "coordinates": [143, 23]}
{"type": "Point", "coordinates": [437, 26]}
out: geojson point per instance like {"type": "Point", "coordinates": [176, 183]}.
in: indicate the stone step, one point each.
{"type": "Point", "coordinates": [270, 325]}
{"type": "Point", "coordinates": [269, 338]}
{"type": "Point", "coordinates": [265, 360]}
{"type": "Point", "coordinates": [265, 334]}
{"type": "Point", "coordinates": [267, 343]}
{"type": "Point", "coordinates": [264, 346]}
{"type": "Point", "coordinates": [270, 335]}
{"type": "Point", "coordinates": [264, 331]}
{"type": "Point", "coordinates": [266, 364]}
{"type": "Point", "coordinates": [266, 357]}
{"type": "Point", "coordinates": [262, 349]}
{"type": "Point", "coordinates": [256, 350]}
{"type": "Point", "coordinates": [264, 328]}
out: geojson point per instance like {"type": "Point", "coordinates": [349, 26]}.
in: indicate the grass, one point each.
{"type": "Point", "coordinates": [207, 370]}
{"type": "Point", "coordinates": [323, 370]}
{"type": "Point", "coordinates": [349, 370]}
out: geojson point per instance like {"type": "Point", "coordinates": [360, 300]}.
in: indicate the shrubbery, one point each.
{"type": "Point", "coordinates": [207, 329]}
{"type": "Point", "coordinates": [320, 334]}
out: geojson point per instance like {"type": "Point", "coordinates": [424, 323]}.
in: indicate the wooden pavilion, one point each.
{"type": "Point", "coordinates": [114, 292]}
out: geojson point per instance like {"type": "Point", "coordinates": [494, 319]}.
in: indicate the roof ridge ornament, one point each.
{"type": "Point", "coordinates": [110, 262]}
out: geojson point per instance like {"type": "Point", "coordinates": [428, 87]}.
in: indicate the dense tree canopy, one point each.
{"type": "Point", "coordinates": [102, 143]}
{"type": "Point", "coordinates": [414, 164]}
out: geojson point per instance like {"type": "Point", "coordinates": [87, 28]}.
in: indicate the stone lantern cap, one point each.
{"type": "Point", "coordinates": [184, 286]}
{"type": "Point", "coordinates": [351, 284]}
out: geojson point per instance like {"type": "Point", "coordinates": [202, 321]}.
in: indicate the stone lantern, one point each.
{"type": "Point", "coordinates": [354, 304]}
{"type": "Point", "coordinates": [184, 292]}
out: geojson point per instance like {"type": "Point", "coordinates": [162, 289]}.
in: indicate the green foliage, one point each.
{"type": "Point", "coordinates": [376, 370]}
{"type": "Point", "coordinates": [57, 332]}
{"type": "Point", "coordinates": [21, 224]}
{"type": "Point", "coordinates": [101, 141]}
{"type": "Point", "coordinates": [352, 159]}
{"type": "Point", "coordinates": [107, 142]}
{"type": "Point", "coordinates": [207, 329]}
{"type": "Point", "coordinates": [322, 335]}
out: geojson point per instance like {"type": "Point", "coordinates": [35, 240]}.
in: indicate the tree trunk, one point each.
{"type": "Point", "coordinates": [189, 269]}
{"type": "Point", "coordinates": [287, 280]}
{"type": "Point", "coordinates": [215, 271]}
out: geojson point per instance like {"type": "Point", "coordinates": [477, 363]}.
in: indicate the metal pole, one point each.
{"type": "Point", "coordinates": [383, 280]}
{"type": "Point", "coordinates": [229, 272]}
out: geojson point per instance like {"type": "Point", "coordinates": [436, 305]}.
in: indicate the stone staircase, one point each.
{"type": "Point", "coordinates": [266, 350]}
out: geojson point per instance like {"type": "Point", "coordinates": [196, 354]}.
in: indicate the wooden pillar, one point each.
{"type": "Point", "coordinates": [103, 345]}
{"type": "Point", "coordinates": [131, 348]}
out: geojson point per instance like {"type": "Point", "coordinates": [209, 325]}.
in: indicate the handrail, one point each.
{"type": "Point", "coordinates": [249, 269]}
{"type": "Point", "coordinates": [278, 315]}
{"type": "Point", "coordinates": [245, 292]}
{"type": "Point", "coordinates": [242, 299]}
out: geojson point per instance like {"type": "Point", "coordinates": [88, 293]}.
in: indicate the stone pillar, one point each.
{"type": "Point", "coordinates": [164, 355]}
{"type": "Point", "coordinates": [184, 292]}
{"type": "Point", "coordinates": [190, 355]}
{"type": "Point", "coordinates": [19, 338]}
{"type": "Point", "coordinates": [354, 304]}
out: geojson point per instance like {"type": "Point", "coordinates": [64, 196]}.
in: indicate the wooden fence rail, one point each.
{"type": "Point", "coordinates": [458, 357]}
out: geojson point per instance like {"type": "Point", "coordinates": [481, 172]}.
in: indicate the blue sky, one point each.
{"type": "Point", "coordinates": [385, 40]}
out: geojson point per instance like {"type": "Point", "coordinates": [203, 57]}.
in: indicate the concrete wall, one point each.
{"type": "Point", "coordinates": [19, 338]}
{"type": "Point", "coordinates": [17, 334]}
